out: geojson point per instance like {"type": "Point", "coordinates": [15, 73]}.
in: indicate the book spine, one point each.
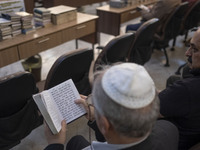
{"type": "Point", "coordinates": [45, 114]}
{"type": "Point", "coordinates": [38, 11]}
{"type": "Point", "coordinates": [6, 16]}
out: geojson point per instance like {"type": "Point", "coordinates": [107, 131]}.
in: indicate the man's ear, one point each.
{"type": "Point", "coordinates": [104, 125]}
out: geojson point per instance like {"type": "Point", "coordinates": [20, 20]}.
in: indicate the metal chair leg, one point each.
{"type": "Point", "coordinates": [174, 42]}
{"type": "Point", "coordinates": [167, 59]}
{"type": "Point", "coordinates": [76, 42]}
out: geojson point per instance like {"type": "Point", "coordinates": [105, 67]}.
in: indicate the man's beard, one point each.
{"type": "Point", "coordinates": [193, 71]}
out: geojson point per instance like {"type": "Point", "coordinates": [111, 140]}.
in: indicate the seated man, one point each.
{"type": "Point", "coordinates": [126, 110]}
{"type": "Point", "coordinates": [159, 10]}
{"type": "Point", "coordinates": [180, 102]}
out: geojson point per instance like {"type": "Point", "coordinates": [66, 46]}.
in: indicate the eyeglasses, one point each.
{"type": "Point", "coordinates": [89, 102]}
{"type": "Point", "coordinates": [193, 48]}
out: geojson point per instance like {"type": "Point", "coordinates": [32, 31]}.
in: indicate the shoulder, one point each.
{"type": "Point", "coordinates": [186, 84]}
{"type": "Point", "coordinates": [176, 87]}
{"type": "Point", "coordinates": [166, 131]}
{"type": "Point", "coordinates": [176, 98]}
{"type": "Point", "coordinates": [165, 134]}
{"type": "Point", "coordinates": [163, 126]}
{"type": "Point", "coordinates": [175, 93]}
{"type": "Point", "coordinates": [183, 85]}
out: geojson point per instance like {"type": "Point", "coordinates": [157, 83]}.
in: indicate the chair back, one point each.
{"type": "Point", "coordinates": [141, 49]}
{"type": "Point", "coordinates": [115, 51]}
{"type": "Point", "coordinates": [171, 27]}
{"type": "Point", "coordinates": [18, 111]}
{"type": "Point", "coordinates": [191, 18]}
{"type": "Point", "coordinates": [74, 65]}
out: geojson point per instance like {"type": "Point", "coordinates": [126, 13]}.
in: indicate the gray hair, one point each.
{"type": "Point", "coordinates": [127, 122]}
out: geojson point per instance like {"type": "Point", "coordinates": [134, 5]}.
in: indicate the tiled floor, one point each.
{"type": "Point", "coordinates": [36, 140]}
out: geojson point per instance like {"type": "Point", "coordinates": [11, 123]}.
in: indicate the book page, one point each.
{"type": "Point", "coordinates": [52, 109]}
{"type": "Point", "coordinates": [64, 96]}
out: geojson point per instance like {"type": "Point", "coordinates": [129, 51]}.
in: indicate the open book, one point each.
{"type": "Point", "coordinates": [58, 103]}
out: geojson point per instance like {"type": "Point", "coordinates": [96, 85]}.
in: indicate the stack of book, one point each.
{"type": "Point", "coordinates": [42, 17]}
{"type": "Point", "coordinates": [26, 21]}
{"type": "Point", "coordinates": [15, 22]}
{"type": "Point", "coordinates": [5, 29]}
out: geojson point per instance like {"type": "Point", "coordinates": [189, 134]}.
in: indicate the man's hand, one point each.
{"type": "Point", "coordinates": [59, 138]}
{"type": "Point", "coordinates": [88, 107]}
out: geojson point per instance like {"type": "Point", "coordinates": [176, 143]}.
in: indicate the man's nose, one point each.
{"type": "Point", "coordinates": [188, 52]}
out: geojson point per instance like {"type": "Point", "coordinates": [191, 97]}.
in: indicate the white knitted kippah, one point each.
{"type": "Point", "coordinates": [129, 85]}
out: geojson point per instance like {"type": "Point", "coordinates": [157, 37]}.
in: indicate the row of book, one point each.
{"type": "Point", "coordinates": [19, 20]}
{"type": "Point", "coordinates": [5, 29]}
{"type": "Point", "coordinates": [15, 23]}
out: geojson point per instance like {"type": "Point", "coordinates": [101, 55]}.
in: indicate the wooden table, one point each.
{"type": "Point", "coordinates": [110, 19]}
{"type": "Point", "coordinates": [73, 3]}
{"type": "Point", "coordinates": [23, 46]}
{"type": "Point", "coordinates": [30, 4]}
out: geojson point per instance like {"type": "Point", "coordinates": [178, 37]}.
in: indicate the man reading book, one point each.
{"type": "Point", "coordinates": [125, 108]}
